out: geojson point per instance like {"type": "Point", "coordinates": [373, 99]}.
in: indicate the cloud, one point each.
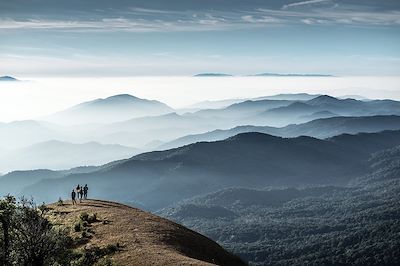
{"type": "Point", "coordinates": [304, 3]}
{"type": "Point", "coordinates": [152, 11]}
{"type": "Point", "coordinates": [312, 21]}
{"type": "Point", "coordinates": [337, 15]}
{"type": "Point", "coordinates": [262, 19]}
{"type": "Point", "coordinates": [137, 19]}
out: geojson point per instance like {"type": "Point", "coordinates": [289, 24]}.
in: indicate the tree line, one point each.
{"type": "Point", "coordinates": [27, 237]}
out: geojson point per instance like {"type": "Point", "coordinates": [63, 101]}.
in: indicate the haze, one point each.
{"type": "Point", "coordinates": [38, 97]}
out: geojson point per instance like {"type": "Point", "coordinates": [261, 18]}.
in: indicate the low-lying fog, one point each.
{"type": "Point", "coordinates": [42, 96]}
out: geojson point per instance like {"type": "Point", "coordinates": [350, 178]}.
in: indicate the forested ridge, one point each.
{"type": "Point", "coordinates": [354, 225]}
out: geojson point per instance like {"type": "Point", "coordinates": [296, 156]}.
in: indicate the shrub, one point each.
{"type": "Point", "coordinates": [105, 262]}
{"type": "Point", "coordinates": [96, 256]}
{"type": "Point", "coordinates": [92, 218]}
{"type": "Point", "coordinates": [84, 216]}
{"type": "Point", "coordinates": [112, 248]}
{"type": "Point", "coordinates": [84, 224]}
{"type": "Point", "coordinates": [85, 234]}
{"type": "Point", "coordinates": [31, 238]}
{"type": "Point", "coordinates": [60, 202]}
{"type": "Point", "coordinates": [77, 227]}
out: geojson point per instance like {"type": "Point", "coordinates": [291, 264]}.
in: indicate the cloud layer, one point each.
{"type": "Point", "coordinates": [140, 19]}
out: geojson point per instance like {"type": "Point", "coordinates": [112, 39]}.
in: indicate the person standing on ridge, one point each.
{"type": "Point", "coordinates": [78, 190]}
{"type": "Point", "coordinates": [85, 191]}
{"type": "Point", "coordinates": [73, 196]}
{"type": "Point", "coordinates": [81, 194]}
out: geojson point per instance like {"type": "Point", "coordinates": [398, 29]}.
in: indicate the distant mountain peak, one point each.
{"type": "Point", "coordinates": [323, 99]}
{"type": "Point", "coordinates": [122, 96]}
{"type": "Point", "coordinates": [8, 78]}
{"type": "Point", "coordinates": [252, 136]}
{"type": "Point", "coordinates": [112, 109]}
{"type": "Point", "coordinates": [213, 75]}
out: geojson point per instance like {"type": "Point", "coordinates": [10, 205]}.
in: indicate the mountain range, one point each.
{"type": "Point", "coordinates": [319, 128]}
{"type": "Point", "coordinates": [327, 225]}
{"type": "Point", "coordinates": [114, 121]}
{"type": "Point", "coordinates": [156, 179]}
{"type": "Point", "coordinates": [287, 179]}
{"type": "Point", "coordinates": [282, 112]}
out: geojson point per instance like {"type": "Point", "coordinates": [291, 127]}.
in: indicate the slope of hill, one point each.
{"type": "Point", "coordinates": [299, 111]}
{"type": "Point", "coordinates": [58, 155]}
{"type": "Point", "coordinates": [139, 131]}
{"type": "Point", "coordinates": [157, 179]}
{"type": "Point", "coordinates": [15, 134]}
{"type": "Point", "coordinates": [319, 128]}
{"type": "Point", "coordinates": [217, 135]}
{"type": "Point", "coordinates": [353, 225]}
{"type": "Point", "coordinates": [13, 182]}
{"type": "Point", "coordinates": [219, 104]}
{"type": "Point", "coordinates": [108, 110]}
{"type": "Point", "coordinates": [140, 238]}
{"type": "Point", "coordinates": [243, 109]}
{"type": "Point", "coordinates": [289, 97]}
{"type": "Point", "coordinates": [328, 127]}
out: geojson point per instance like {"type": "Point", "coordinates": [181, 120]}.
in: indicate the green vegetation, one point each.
{"type": "Point", "coordinates": [28, 238]}
{"type": "Point", "coordinates": [60, 202]}
{"type": "Point", "coordinates": [96, 255]}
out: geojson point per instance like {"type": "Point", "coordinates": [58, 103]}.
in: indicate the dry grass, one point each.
{"type": "Point", "coordinates": [146, 239]}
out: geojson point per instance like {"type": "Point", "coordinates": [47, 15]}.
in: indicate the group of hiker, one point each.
{"type": "Point", "coordinates": [79, 192]}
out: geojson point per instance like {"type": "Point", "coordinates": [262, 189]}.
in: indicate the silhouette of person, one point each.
{"type": "Point", "coordinates": [78, 190]}
{"type": "Point", "coordinates": [81, 194]}
{"type": "Point", "coordinates": [85, 191]}
{"type": "Point", "coordinates": [73, 196]}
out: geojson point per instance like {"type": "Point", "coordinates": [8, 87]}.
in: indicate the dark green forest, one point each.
{"type": "Point", "coordinates": [354, 225]}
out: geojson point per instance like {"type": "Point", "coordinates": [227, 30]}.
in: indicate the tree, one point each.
{"type": "Point", "coordinates": [7, 211]}
{"type": "Point", "coordinates": [30, 239]}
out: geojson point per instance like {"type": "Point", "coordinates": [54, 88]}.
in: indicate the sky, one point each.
{"type": "Point", "coordinates": [121, 38]}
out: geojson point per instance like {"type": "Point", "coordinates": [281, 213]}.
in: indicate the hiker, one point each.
{"type": "Point", "coordinates": [73, 195]}
{"type": "Point", "coordinates": [85, 191]}
{"type": "Point", "coordinates": [78, 190]}
{"type": "Point", "coordinates": [81, 194]}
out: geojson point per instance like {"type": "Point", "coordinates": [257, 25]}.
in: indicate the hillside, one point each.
{"type": "Point", "coordinates": [142, 238]}
{"type": "Point", "coordinates": [319, 128]}
{"type": "Point", "coordinates": [353, 225]}
{"type": "Point", "coordinates": [52, 155]}
{"type": "Point", "coordinates": [300, 112]}
{"type": "Point", "coordinates": [14, 135]}
{"type": "Point", "coordinates": [157, 179]}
